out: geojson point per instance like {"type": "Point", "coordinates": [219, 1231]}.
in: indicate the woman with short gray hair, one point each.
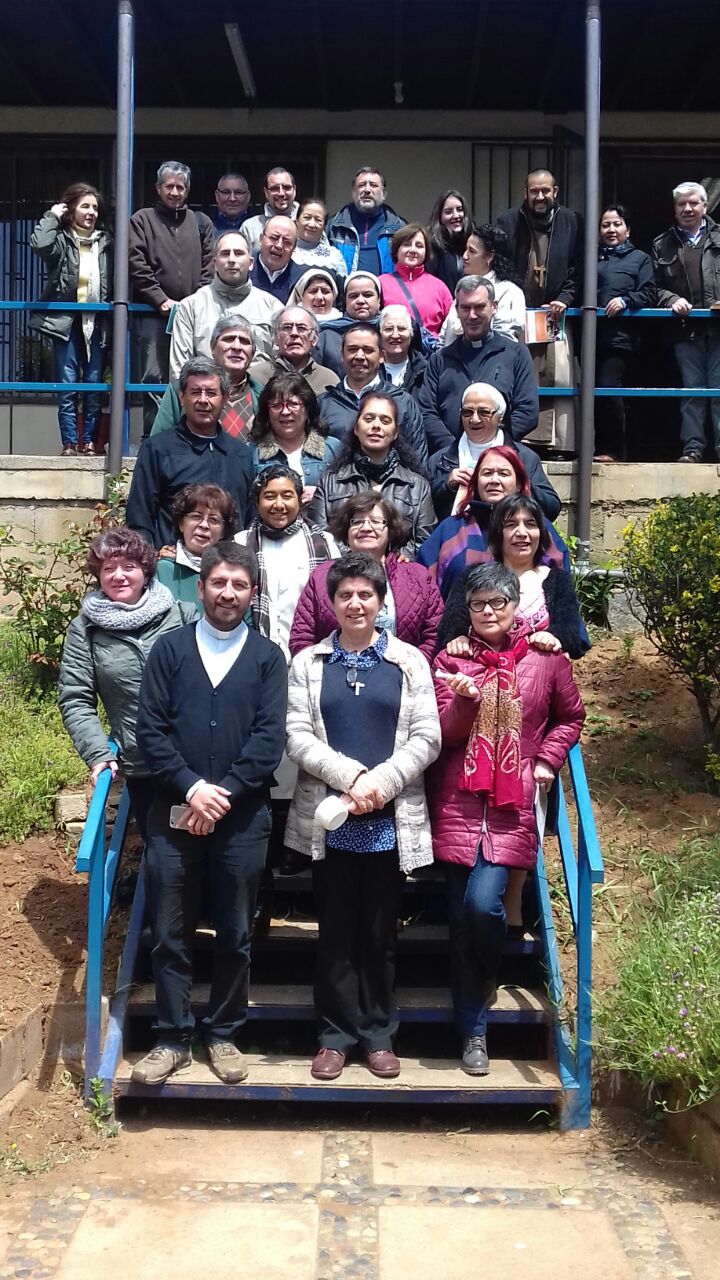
{"type": "Point", "coordinates": [509, 714]}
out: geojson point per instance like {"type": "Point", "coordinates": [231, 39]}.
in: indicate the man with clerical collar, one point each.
{"type": "Point", "coordinates": [479, 355]}
{"type": "Point", "coordinates": [196, 451]}
{"type": "Point", "coordinates": [211, 728]}
{"type": "Point", "coordinates": [231, 290]}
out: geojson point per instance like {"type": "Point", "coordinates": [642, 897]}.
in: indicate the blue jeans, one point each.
{"type": "Point", "coordinates": [699, 363]}
{"type": "Point", "coordinates": [232, 859]}
{"type": "Point", "coordinates": [476, 913]}
{"type": "Point", "coordinates": [73, 364]}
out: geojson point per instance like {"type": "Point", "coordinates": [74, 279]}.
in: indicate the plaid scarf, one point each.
{"type": "Point", "coordinates": [318, 551]}
{"type": "Point", "coordinates": [492, 756]}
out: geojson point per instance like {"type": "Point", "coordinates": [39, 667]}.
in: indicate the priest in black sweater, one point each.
{"type": "Point", "coordinates": [211, 727]}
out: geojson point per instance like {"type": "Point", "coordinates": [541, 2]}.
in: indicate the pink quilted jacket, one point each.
{"type": "Point", "coordinates": [418, 606]}
{"type": "Point", "coordinates": [553, 716]}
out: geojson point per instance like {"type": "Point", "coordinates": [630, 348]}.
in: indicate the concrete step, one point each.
{"type": "Point", "coordinates": [288, 933]}
{"type": "Point", "coordinates": [513, 1004]}
{"type": "Point", "coordinates": [425, 1080]}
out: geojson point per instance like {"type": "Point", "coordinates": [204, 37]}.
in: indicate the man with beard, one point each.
{"type": "Point", "coordinates": [211, 728]}
{"type": "Point", "coordinates": [280, 199]}
{"type": "Point", "coordinates": [363, 229]}
{"type": "Point", "coordinates": [230, 291]}
{"type": "Point", "coordinates": [545, 241]}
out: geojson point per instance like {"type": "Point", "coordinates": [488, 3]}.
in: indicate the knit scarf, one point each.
{"type": "Point", "coordinates": [492, 755]}
{"type": "Point", "coordinates": [376, 472]}
{"type": "Point", "coordinates": [112, 615]}
{"type": "Point", "coordinates": [318, 551]}
{"type": "Point", "coordinates": [90, 244]}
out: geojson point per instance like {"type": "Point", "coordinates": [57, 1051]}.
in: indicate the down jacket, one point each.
{"type": "Point", "coordinates": [462, 820]}
{"type": "Point", "coordinates": [322, 770]}
{"type": "Point", "coordinates": [418, 607]}
{"type": "Point", "coordinates": [58, 250]}
{"type": "Point", "coordinates": [109, 665]}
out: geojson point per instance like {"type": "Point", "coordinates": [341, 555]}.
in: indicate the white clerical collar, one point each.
{"type": "Point", "coordinates": [223, 637]}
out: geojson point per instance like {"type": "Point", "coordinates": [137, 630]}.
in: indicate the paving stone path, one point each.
{"type": "Point", "coordinates": [267, 1202]}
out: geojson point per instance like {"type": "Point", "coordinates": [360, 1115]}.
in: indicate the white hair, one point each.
{"type": "Point", "coordinates": [174, 166]}
{"type": "Point", "coordinates": [492, 393]}
{"type": "Point", "coordinates": [690, 189]}
{"type": "Point", "coordinates": [396, 311]}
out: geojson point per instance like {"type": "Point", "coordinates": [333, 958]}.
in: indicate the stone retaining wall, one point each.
{"type": "Point", "coordinates": [39, 496]}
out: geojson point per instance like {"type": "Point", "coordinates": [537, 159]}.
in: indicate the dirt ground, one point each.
{"type": "Point", "coordinates": [643, 755]}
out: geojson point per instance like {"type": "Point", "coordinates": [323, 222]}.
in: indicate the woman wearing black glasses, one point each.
{"type": "Point", "coordinates": [362, 727]}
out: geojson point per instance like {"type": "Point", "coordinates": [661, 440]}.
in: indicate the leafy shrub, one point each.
{"type": "Point", "coordinates": [46, 584]}
{"type": "Point", "coordinates": [672, 564]}
{"type": "Point", "coordinates": [593, 587]}
{"type": "Point", "coordinates": [36, 755]}
{"type": "Point", "coordinates": [661, 1022]}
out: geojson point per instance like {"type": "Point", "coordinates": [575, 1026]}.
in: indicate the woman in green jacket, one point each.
{"type": "Point", "coordinates": [76, 251]}
{"type": "Point", "coordinates": [104, 656]}
{"type": "Point", "coordinates": [203, 515]}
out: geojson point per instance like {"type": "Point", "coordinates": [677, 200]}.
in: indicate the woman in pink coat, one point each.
{"type": "Point", "coordinates": [509, 714]}
{"type": "Point", "coordinates": [427, 299]}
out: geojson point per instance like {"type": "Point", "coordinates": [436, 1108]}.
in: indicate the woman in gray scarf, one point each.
{"type": "Point", "coordinates": [76, 251]}
{"type": "Point", "coordinates": [104, 656]}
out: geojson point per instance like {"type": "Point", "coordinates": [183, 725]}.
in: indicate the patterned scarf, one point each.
{"type": "Point", "coordinates": [375, 472]}
{"type": "Point", "coordinates": [492, 756]}
{"type": "Point", "coordinates": [318, 551]}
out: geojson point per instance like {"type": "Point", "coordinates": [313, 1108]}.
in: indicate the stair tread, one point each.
{"type": "Point", "coordinates": [307, 930]}
{"type": "Point", "coordinates": [418, 1075]}
{"type": "Point", "coordinates": [509, 998]}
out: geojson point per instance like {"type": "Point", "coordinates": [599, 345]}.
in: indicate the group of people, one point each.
{"type": "Point", "coordinates": [448, 303]}
{"type": "Point", "coordinates": [313, 645]}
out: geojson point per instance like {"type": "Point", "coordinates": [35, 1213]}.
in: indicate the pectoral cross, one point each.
{"type": "Point", "coordinates": [357, 687]}
{"type": "Point", "coordinates": [539, 273]}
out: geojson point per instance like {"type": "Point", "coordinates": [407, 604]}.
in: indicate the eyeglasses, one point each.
{"type": "Point", "coordinates": [292, 404]}
{"type": "Point", "coordinates": [478, 413]}
{"type": "Point", "coordinates": [197, 517]}
{"type": "Point", "coordinates": [281, 186]}
{"type": "Point", "coordinates": [285, 241]}
{"type": "Point", "coordinates": [232, 193]}
{"type": "Point", "coordinates": [302, 329]}
{"type": "Point", "coordinates": [496, 604]}
{"type": "Point", "coordinates": [357, 522]}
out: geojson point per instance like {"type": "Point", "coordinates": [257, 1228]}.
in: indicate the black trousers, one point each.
{"type": "Point", "coordinates": [614, 368]}
{"type": "Point", "coordinates": [231, 861]}
{"type": "Point", "coordinates": [151, 361]}
{"type": "Point", "coordinates": [142, 794]}
{"type": "Point", "coordinates": [358, 898]}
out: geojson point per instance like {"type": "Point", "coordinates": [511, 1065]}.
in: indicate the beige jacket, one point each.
{"type": "Point", "coordinates": [195, 318]}
{"type": "Point", "coordinates": [417, 745]}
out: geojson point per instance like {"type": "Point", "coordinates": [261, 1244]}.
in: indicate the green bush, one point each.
{"type": "Point", "coordinates": [672, 564]}
{"type": "Point", "coordinates": [661, 1022]}
{"type": "Point", "coordinates": [37, 757]}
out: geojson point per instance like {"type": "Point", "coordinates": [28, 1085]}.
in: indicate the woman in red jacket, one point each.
{"type": "Point", "coordinates": [413, 605]}
{"type": "Point", "coordinates": [509, 714]}
{"type": "Point", "coordinates": [426, 298]}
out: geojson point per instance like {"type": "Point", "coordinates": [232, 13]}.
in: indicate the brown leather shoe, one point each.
{"type": "Point", "coordinates": [327, 1064]}
{"type": "Point", "coordinates": [383, 1063]}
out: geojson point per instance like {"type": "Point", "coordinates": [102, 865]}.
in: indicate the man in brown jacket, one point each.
{"type": "Point", "coordinates": [170, 256]}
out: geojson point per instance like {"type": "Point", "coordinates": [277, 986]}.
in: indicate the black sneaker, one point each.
{"type": "Point", "coordinates": [475, 1059]}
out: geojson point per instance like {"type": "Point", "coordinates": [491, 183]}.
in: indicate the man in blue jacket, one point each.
{"type": "Point", "coordinates": [211, 728]}
{"type": "Point", "coordinates": [197, 451]}
{"type": "Point", "coordinates": [478, 356]}
{"type": "Point", "coordinates": [362, 230]}
{"type": "Point", "coordinates": [364, 372]}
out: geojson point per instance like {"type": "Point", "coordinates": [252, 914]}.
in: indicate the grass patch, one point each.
{"type": "Point", "coordinates": [661, 1022]}
{"type": "Point", "coordinates": [36, 755]}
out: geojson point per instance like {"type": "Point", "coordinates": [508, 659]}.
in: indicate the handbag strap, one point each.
{"type": "Point", "coordinates": [411, 300]}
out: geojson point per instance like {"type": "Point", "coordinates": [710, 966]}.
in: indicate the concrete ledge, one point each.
{"type": "Point", "coordinates": [49, 1033]}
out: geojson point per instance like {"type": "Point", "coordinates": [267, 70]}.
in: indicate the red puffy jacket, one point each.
{"type": "Point", "coordinates": [418, 607]}
{"type": "Point", "coordinates": [553, 716]}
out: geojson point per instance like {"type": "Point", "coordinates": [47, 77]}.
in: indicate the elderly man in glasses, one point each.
{"type": "Point", "coordinates": [231, 291]}
{"type": "Point", "coordinates": [274, 271]}
{"type": "Point", "coordinates": [296, 335]}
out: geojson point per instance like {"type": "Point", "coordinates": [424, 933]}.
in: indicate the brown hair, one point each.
{"type": "Point", "coordinates": [72, 196]}
{"type": "Point", "coordinates": [205, 495]}
{"type": "Point", "coordinates": [408, 232]}
{"type": "Point", "coordinates": [120, 542]}
{"type": "Point", "coordinates": [361, 504]}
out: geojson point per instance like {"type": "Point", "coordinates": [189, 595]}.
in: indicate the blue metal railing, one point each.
{"type": "Point", "coordinates": [101, 865]}
{"type": "Point", "coordinates": [141, 388]}
{"type": "Point", "coordinates": [582, 868]}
